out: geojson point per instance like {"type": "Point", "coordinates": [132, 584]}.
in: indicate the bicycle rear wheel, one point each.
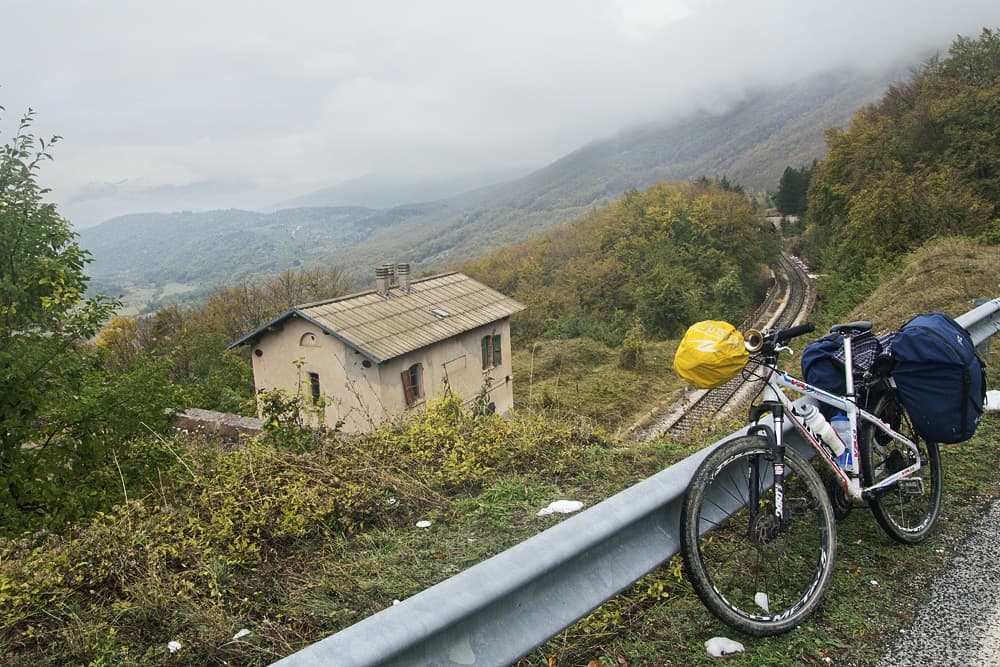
{"type": "Point", "coordinates": [753, 574]}
{"type": "Point", "coordinates": [907, 510]}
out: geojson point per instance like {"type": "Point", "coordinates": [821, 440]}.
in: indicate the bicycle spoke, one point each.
{"type": "Point", "coordinates": [755, 571]}
{"type": "Point", "coordinates": [907, 509]}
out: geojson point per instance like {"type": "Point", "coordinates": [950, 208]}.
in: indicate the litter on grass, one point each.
{"type": "Point", "coordinates": [762, 602]}
{"type": "Point", "coordinates": [424, 524]}
{"type": "Point", "coordinates": [720, 646]}
{"type": "Point", "coordinates": [241, 634]}
{"type": "Point", "coordinates": [174, 646]}
{"type": "Point", "coordinates": [561, 507]}
{"type": "Point", "coordinates": [993, 400]}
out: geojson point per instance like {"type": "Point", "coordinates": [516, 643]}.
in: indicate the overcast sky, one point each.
{"type": "Point", "coordinates": [238, 103]}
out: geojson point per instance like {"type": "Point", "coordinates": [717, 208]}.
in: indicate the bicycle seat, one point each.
{"type": "Point", "coordinates": [852, 328]}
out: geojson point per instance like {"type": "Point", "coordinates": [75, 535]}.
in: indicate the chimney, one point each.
{"type": "Point", "coordinates": [390, 275]}
{"type": "Point", "coordinates": [382, 279]}
{"type": "Point", "coordinates": [403, 274]}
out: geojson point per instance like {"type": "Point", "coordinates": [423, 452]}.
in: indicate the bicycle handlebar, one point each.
{"type": "Point", "coordinates": [767, 341]}
{"type": "Point", "coordinates": [791, 332]}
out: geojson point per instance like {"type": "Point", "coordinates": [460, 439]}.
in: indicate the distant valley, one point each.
{"type": "Point", "coordinates": [155, 258]}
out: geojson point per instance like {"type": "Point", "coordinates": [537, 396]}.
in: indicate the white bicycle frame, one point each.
{"type": "Point", "coordinates": [848, 476]}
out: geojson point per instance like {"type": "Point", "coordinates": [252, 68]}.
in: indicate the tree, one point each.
{"type": "Point", "coordinates": [61, 412]}
{"type": "Point", "coordinates": [790, 197]}
{"type": "Point", "coordinates": [921, 163]}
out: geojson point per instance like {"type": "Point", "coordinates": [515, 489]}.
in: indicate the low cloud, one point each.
{"type": "Point", "coordinates": [250, 102]}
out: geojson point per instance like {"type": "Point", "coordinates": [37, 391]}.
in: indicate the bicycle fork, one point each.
{"type": "Point", "coordinates": [775, 440]}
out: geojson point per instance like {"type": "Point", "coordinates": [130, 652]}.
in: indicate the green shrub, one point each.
{"type": "Point", "coordinates": [198, 552]}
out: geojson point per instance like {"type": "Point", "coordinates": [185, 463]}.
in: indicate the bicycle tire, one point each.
{"type": "Point", "coordinates": [733, 560]}
{"type": "Point", "coordinates": [905, 512]}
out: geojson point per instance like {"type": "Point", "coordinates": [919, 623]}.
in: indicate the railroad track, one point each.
{"type": "Point", "coordinates": [785, 304]}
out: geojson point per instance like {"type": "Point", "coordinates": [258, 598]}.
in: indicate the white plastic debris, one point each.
{"type": "Point", "coordinates": [424, 524]}
{"type": "Point", "coordinates": [241, 634]}
{"type": "Point", "coordinates": [873, 582]}
{"type": "Point", "coordinates": [395, 602]}
{"type": "Point", "coordinates": [993, 400]}
{"type": "Point", "coordinates": [174, 646]}
{"type": "Point", "coordinates": [561, 507]}
{"type": "Point", "coordinates": [761, 600]}
{"type": "Point", "coordinates": [720, 646]}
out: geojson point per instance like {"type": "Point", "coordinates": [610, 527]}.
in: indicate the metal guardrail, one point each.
{"type": "Point", "coordinates": [501, 609]}
{"type": "Point", "coordinates": [982, 322]}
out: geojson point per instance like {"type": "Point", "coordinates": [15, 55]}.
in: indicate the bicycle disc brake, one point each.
{"type": "Point", "coordinates": [767, 535]}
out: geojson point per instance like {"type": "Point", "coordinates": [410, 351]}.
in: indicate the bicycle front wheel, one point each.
{"type": "Point", "coordinates": [906, 510]}
{"type": "Point", "coordinates": [755, 573]}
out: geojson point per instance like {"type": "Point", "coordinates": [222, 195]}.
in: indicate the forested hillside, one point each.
{"type": "Point", "coordinates": [152, 256]}
{"type": "Point", "coordinates": [196, 252]}
{"type": "Point", "coordinates": [924, 162]}
{"type": "Point", "coordinates": [661, 258]}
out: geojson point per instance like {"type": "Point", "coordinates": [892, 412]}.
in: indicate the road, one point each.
{"type": "Point", "coordinates": [960, 624]}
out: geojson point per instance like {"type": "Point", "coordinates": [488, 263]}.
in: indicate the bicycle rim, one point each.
{"type": "Point", "coordinates": [908, 510]}
{"type": "Point", "coordinates": [752, 574]}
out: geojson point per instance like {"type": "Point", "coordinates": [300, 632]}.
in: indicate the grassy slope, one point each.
{"type": "Point", "coordinates": [879, 584]}
{"type": "Point", "coordinates": [582, 377]}
{"type": "Point", "coordinates": [295, 586]}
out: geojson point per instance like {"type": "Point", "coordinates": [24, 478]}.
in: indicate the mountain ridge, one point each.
{"type": "Point", "coordinates": [750, 142]}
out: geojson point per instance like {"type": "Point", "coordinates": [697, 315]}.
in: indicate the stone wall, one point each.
{"type": "Point", "coordinates": [220, 424]}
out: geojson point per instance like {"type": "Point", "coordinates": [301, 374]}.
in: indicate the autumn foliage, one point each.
{"type": "Point", "coordinates": [665, 258]}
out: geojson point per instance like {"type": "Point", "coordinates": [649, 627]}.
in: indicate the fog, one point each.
{"type": "Point", "coordinates": [189, 105]}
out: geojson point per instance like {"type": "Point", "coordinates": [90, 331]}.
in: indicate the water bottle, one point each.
{"type": "Point", "coordinates": [842, 426]}
{"type": "Point", "coordinates": [817, 423]}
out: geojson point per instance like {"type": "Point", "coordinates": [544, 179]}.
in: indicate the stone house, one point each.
{"type": "Point", "coordinates": [367, 357]}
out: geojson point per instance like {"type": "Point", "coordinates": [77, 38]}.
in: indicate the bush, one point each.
{"type": "Point", "coordinates": [631, 355]}
{"type": "Point", "coordinates": [197, 555]}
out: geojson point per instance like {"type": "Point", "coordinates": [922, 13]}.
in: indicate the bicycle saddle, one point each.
{"type": "Point", "coordinates": [852, 328]}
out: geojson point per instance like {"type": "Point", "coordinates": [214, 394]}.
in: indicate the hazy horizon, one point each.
{"type": "Point", "coordinates": [188, 106]}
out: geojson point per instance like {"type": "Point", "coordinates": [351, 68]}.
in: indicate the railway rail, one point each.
{"type": "Point", "coordinates": [786, 303]}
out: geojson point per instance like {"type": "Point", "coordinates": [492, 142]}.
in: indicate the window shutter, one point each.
{"type": "Point", "coordinates": [408, 388]}
{"type": "Point", "coordinates": [314, 387]}
{"type": "Point", "coordinates": [417, 380]}
{"type": "Point", "coordinates": [497, 348]}
{"type": "Point", "coordinates": [486, 352]}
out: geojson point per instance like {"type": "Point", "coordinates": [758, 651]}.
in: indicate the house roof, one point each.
{"type": "Point", "coordinates": [383, 327]}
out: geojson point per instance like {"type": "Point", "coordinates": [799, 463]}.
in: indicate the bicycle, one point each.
{"type": "Point", "coordinates": [758, 530]}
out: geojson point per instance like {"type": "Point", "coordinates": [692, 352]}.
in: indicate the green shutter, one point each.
{"type": "Point", "coordinates": [497, 351]}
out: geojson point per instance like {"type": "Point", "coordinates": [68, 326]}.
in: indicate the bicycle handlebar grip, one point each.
{"type": "Point", "coordinates": [792, 332]}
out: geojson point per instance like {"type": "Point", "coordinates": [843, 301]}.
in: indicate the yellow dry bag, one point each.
{"type": "Point", "coordinates": [711, 353]}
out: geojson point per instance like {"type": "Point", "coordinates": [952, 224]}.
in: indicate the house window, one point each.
{"type": "Point", "coordinates": [314, 390]}
{"type": "Point", "coordinates": [492, 355]}
{"type": "Point", "coordinates": [412, 381]}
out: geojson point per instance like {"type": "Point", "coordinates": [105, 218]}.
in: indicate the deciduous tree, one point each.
{"type": "Point", "coordinates": [61, 413]}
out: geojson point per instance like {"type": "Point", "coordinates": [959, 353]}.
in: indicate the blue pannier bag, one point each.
{"type": "Point", "coordinates": [823, 362]}
{"type": "Point", "coordinates": [940, 379]}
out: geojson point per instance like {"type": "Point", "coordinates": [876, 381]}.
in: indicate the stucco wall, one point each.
{"type": "Point", "coordinates": [363, 394]}
{"type": "Point", "coordinates": [350, 389]}
{"type": "Point", "coordinates": [459, 360]}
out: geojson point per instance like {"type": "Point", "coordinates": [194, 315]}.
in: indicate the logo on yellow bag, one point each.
{"type": "Point", "coordinates": [711, 353]}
